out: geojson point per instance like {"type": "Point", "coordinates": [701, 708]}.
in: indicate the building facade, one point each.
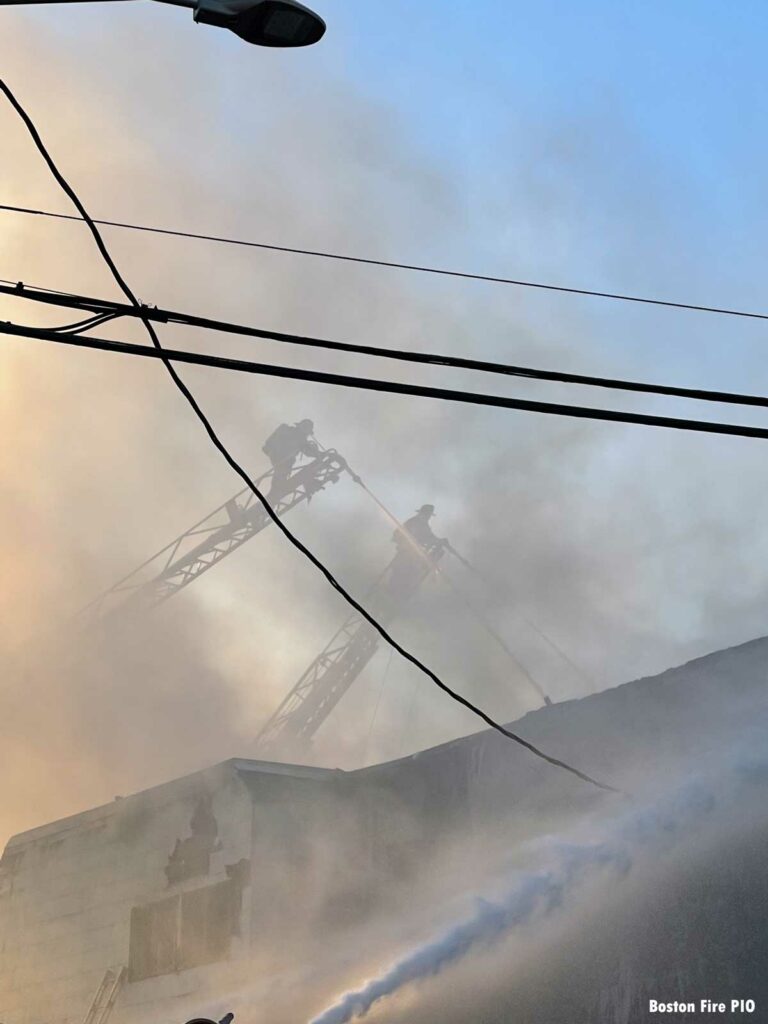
{"type": "Point", "coordinates": [244, 878]}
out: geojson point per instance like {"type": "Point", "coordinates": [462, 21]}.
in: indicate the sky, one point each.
{"type": "Point", "coordinates": [601, 146]}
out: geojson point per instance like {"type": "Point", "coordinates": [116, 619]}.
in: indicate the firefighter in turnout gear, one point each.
{"type": "Point", "coordinates": [419, 529]}
{"type": "Point", "coordinates": [408, 566]}
{"type": "Point", "coordinates": [284, 446]}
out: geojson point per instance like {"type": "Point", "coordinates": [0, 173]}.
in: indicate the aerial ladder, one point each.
{"type": "Point", "coordinates": [205, 544]}
{"type": "Point", "coordinates": [227, 528]}
{"type": "Point", "coordinates": [330, 675]}
{"type": "Point", "coordinates": [332, 672]}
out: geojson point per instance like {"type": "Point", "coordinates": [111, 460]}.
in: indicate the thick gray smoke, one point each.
{"type": "Point", "coordinates": [655, 827]}
{"type": "Point", "coordinates": [590, 531]}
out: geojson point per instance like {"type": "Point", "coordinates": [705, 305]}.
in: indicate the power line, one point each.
{"type": "Point", "coordinates": [159, 315]}
{"type": "Point", "coordinates": [166, 359]}
{"type": "Point", "coordinates": [393, 265]}
{"type": "Point", "coordinates": [387, 386]}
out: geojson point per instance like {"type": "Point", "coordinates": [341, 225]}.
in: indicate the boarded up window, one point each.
{"type": "Point", "coordinates": [207, 924]}
{"type": "Point", "coordinates": [183, 931]}
{"type": "Point", "coordinates": [154, 931]}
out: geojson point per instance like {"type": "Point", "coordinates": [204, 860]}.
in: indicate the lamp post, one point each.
{"type": "Point", "coordinates": [276, 23]}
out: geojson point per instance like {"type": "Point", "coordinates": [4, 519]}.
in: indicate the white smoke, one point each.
{"type": "Point", "coordinates": [658, 825]}
{"type": "Point", "coordinates": [489, 921]}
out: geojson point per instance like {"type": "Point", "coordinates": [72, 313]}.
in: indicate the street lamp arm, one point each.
{"type": "Point", "coordinates": [28, 3]}
{"type": "Point", "coordinates": [275, 23]}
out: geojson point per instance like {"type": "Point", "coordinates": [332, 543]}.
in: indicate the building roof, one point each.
{"type": "Point", "coordinates": [715, 693]}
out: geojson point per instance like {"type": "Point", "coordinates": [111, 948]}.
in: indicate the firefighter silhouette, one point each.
{"type": "Point", "coordinates": [284, 446]}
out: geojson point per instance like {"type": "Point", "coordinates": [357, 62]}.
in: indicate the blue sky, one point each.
{"type": "Point", "coordinates": [679, 89]}
{"type": "Point", "coordinates": [690, 76]}
{"type": "Point", "coordinates": [686, 79]}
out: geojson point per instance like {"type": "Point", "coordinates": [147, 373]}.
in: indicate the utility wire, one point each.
{"type": "Point", "coordinates": [250, 483]}
{"type": "Point", "coordinates": [391, 264]}
{"type": "Point", "coordinates": [85, 325]}
{"type": "Point", "coordinates": [157, 315]}
{"type": "Point", "coordinates": [386, 386]}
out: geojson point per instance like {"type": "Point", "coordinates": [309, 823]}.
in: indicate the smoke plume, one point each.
{"type": "Point", "coordinates": [654, 828]}
{"type": "Point", "coordinates": [590, 531]}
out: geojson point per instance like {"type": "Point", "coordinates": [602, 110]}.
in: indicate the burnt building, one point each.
{"type": "Point", "coordinates": [239, 878]}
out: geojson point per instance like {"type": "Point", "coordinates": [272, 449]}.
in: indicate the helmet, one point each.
{"type": "Point", "coordinates": [429, 509]}
{"type": "Point", "coordinates": [307, 426]}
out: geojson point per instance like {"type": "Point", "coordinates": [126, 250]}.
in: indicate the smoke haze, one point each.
{"type": "Point", "coordinates": [651, 830]}
{"type": "Point", "coordinates": [544, 899]}
{"type": "Point", "coordinates": [589, 530]}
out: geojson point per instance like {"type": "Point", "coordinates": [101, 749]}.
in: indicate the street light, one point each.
{"type": "Point", "coordinates": [280, 23]}
{"type": "Point", "coordinates": [264, 22]}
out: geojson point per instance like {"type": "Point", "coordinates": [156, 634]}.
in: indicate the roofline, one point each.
{"type": "Point", "coordinates": [91, 815]}
{"type": "Point", "coordinates": [303, 771]}
{"type": "Point", "coordinates": [247, 765]}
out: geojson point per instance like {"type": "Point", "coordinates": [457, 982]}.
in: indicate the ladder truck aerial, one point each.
{"type": "Point", "coordinates": [300, 469]}
{"type": "Point", "coordinates": [330, 675]}
{"type": "Point", "coordinates": [293, 480]}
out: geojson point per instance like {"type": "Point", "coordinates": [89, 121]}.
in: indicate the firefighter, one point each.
{"type": "Point", "coordinates": [419, 529]}
{"type": "Point", "coordinates": [407, 566]}
{"type": "Point", "coordinates": [283, 447]}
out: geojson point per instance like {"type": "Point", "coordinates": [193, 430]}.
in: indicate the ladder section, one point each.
{"type": "Point", "coordinates": [205, 544]}
{"type": "Point", "coordinates": [106, 994]}
{"type": "Point", "coordinates": [344, 657]}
